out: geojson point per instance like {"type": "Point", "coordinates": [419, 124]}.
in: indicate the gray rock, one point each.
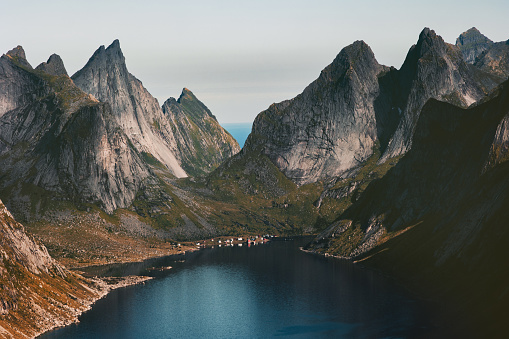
{"type": "Point", "coordinates": [64, 142]}
{"type": "Point", "coordinates": [472, 43]}
{"type": "Point", "coordinates": [333, 125]}
{"type": "Point", "coordinates": [202, 144]}
{"type": "Point", "coordinates": [105, 76]}
{"type": "Point", "coordinates": [432, 69]}
{"type": "Point", "coordinates": [357, 104]}
{"type": "Point", "coordinates": [54, 66]}
{"type": "Point", "coordinates": [495, 60]}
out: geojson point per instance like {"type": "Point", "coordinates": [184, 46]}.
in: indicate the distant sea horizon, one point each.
{"type": "Point", "coordinates": [238, 130]}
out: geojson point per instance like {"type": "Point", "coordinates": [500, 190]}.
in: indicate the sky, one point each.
{"type": "Point", "coordinates": [238, 57]}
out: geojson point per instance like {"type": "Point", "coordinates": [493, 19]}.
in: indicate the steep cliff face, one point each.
{"type": "Point", "coordinates": [54, 66]}
{"type": "Point", "coordinates": [432, 69]}
{"type": "Point", "coordinates": [19, 91]}
{"type": "Point", "coordinates": [105, 76]}
{"type": "Point", "coordinates": [334, 124]}
{"type": "Point", "coordinates": [56, 138]}
{"type": "Point", "coordinates": [495, 60]}
{"type": "Point", "coordinates": [472, 44]}
{"type": "Point", "coordinates": [357, 105]}
{"type": "Point", "coordinates": [37, 293]}
{"type": "Point", "coordinates": [438, 218]}
{"type": "Point", "coordinates": [202, 144]}
{"type": "Point", "coordinates": [484, 54]}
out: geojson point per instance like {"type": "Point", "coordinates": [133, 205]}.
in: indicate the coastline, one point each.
{"type": "Point", "coordinates": [103, 286]}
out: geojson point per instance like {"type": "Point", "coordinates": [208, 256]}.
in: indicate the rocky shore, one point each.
{"type": "Point", "coordinates": [102, 286]}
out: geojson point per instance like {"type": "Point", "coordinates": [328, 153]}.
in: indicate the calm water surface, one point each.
{"type": "Point", "coordinates": [262, 291]}
{"type": "Point", "coordinates": [239, 131]}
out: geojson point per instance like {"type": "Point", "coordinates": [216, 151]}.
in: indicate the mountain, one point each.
{"type": "Point", "coordinates": [333, 125]}
{"type": "Point", "coordinates": [202, 144]}
{"type": "Point", "coordinates": [37, 293]}
{"type": "Point", "coordinates": [437, 220]}
{"type": "Point", "coordinates": [486, 55]}
{"type": "Point", "coordinates": [66, 156]}
{"type": "Point", "coordinates": [105, 76]}
{"type": "Point", "coordinates": [58, 143]}
{"type": "Point", "coordinates": [432, 69]}
{"type": "Point", "coordinates": [54, 66]}
{"type": "Point", "coordinates": [472, 43]}
{"type": "Point", "coordinates": [495, 60]}
{"type": "Point", "coordinates": [183, 136]}
{"type": "Point", "coordinates": [357, 105]}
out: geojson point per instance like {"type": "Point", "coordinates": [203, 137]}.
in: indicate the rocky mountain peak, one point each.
{"type": "Point", "coordinates": [114, 50]}
{"type": "Point", "coordinates": [186, 95]}
{"type": "Point", "coordinates": [104, 58]}
{"type": "Point", "coordinates": [202, 144]}
{"type": "Point", "coordinates": [430, 42]}
{"type": "Point", "coordinates": [357, 56]}
{"type": "Point", "coordinates": [18, 54]}
{"type": "Point", "coordinates": [473, 35]}
{"type": "Point", "coordinates": [188, 98]}
{"type": "Point", "coordinates": [137, 112]}
{"type": "Point", "coordinates": [170, 101]}
{"type": "Point", "coordinates": [332, 126]}
{"type": "Point", "coordinates": [472, 43]}
{"type": "Point", "coordinates": [54, 66]}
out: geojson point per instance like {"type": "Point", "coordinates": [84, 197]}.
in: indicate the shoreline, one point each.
{"type": "Point", "coordinates": [105, 286]}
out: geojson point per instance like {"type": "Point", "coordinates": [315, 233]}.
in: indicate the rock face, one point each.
{"type": "Point", "coordinates": [57, 138]}
{"type": "Point", "coordinates": [438, 218]}
{"type": "Point", "coordinates": [453, 148]}
{"type": "Point", "coordinates": [18, 247]}
{"type": "Point", "coordinates": [105, 76]}
{"type": "Point", "coordinates": [15, 92]}
{"type": "Point", "coordinates": [357, 104]}
{"type": "Point", "coordinates": [54, 66]}
{"type": "Point", "coordinates": [432, 69]}
{"type": "Point", "coordinates": [495, 60]}
{"type": "Point", "coordinates": [333, 125]}
{"type": "Point", "coordinates": [202, 144]}
{"type": "Point", "coordinates": [37, 293]}
{"type": "Point", "coordinates": [486, 55]}
{"type": "Point", "coordinates": [472, 44]}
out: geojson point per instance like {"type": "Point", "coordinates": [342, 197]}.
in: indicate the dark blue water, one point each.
{"type": "Point", "coordinates": [263, 291]}
{"type": "Point", "coordinates": [239, 131]}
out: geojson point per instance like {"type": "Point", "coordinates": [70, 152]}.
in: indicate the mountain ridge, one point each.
{"type": "Point", "coordinates": [105, 76]}
{"type": "Point", "coordinates": [356, 105]}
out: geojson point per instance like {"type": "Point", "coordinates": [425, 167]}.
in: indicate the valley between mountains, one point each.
{"type": "Point", "coordinates": [400, 170]}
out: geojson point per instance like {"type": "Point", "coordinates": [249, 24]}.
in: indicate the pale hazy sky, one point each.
{"type": "Point", "coordinates": [237, 56]}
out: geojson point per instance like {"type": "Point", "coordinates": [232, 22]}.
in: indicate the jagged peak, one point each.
{"type": "Point", "coordinates": [355, 56]}
{"type": "Point", "coordinates": [186, 94]}
{"type": "Point", "coordinates": [429, 43]}
{"type": "Point", "coordinates": [111, 55]}
{"type": "Point", "coordinates": [357, 47]}
{"type": "Point", "coordinates": [427, 33]}
{"type": "Point", "coordinates": [472, 30]}
{"type": "Point", "coordinates": [54, 65]}
{"type": "Point", "coordinates": [115, 45]}
{"type": "Point", "coordinates": [428, 39]}
{"type": "Point", "coordinates": [470, 35]}
{"type": "Point", "coordinates": [18, 52]}
{"type": "Point", "coordinates": [170, 101]}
